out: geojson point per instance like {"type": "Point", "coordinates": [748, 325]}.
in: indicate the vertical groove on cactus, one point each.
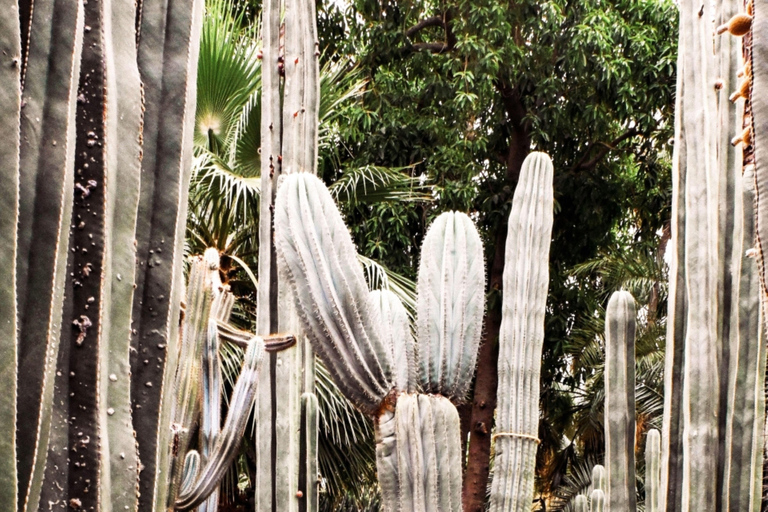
{"type": "Point", "coordinates": [620, 401]}
{"type": "Point", "coordinates": [386, 460]}
{"type": "Point", "coordinates": [52, 68]}
{"type": "Point", "coordinates": [396, 331]}
{"type": "Point", "coordinates": [317, 257]}
{"type": "Point", "coordinates": [746, 402]}
{"type": "Point", "coordinates": [168, 41]}
{"type": "Point", "coordinates": [450, 305]}
{"type": "Point", "coordinates": [228, 441]}
{"type": "Point", "coordinates": [526, 279]}
{"type": "Point", "coordinates": [310, 418]}
{"type": "Point", "coordinates": [10, 108]}
{"type": "Point", "coordinates": [652, 470]}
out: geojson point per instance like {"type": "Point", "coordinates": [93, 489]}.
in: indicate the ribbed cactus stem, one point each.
{"type": "Point", "coordinates": [316, 256]}
{"type": "Point", "coordinates": [620, 325]}
{"type": "Point", "coordinates": [526, 278]}
{"type": "Point", "coordinates": [450, 305]}
{"type": "Point", "coordinates": [386, 460]}
{"type": "Point", "coordinates": [652, 470]}
{"type": "Point", "coordinates": [599, 480]}
{"type": "Point", "coordinates": [581, 504]}
{"type": "Point", "coordinates": [396, 331]}
{"type": "Point", "coordinates": [597, 501]}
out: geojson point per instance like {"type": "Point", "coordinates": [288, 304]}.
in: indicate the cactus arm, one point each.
{"type": "Point", "coordinates": [526, 279]}
{"type": "Point", "coordinates": [597, 501]}
{"type": "Point", "coordinates": [10, 107]}
{"type": "Point", "coordinates": [652, 470]}
{"type": "Point", "coordinates": [308, 483]}
{"type": "Point", "coordinates": [168, 43]}
{"type": "Point", "coordinates": [598, 478]}
{"type": "Point", "coordinates": [451, 303]}
{"type": "Point", "coordinates": [396, 331]}
{"type": "Point", "coordinates": [386, 460]}
{"type": "Point", "coordinates": [317, 257]}
{"type": "Point", "coordinates": [211, 403]}
{"type": "Point", "coordinates": [620, 401]}
{"type": "Point", "coordinates": [52, 68]}
{"type": "Point", "coordinates": [747, 369]}
{"type": "Point", "coordinates": [191, 470]}
{"type": "Point", "coordinates": [228, 441]}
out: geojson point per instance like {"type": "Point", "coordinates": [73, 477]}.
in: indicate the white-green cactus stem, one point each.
{"type": "Point", "coordinates": [526, 279]}
{"type": "Point", "coordinates": [598, 478]}
{"type": "Point", "coordinates": [597, 501]}
{"type": "Point", "coordinates": [581, 504]}
{"type": "Point", "coordinates": [450, 305]}
{"type": "Point", "coordinates": [396, 332]}
{"type": "Point", "coordinates": [620, 324]}
{"type": "Point", "coordinates": [316, 255]}
{"type": "Point", "coordinates": [652, 470]}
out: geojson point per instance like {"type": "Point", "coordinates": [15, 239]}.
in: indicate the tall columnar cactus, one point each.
{"type": "Point", "coordinates": [620, 401]}
{"type": "Point", "coordinates": [526, 279]}
{"type": "Point", "coordinates": [450, 305]}
{"type": "Point", "coordinates": [652, 470]}
{"type": "Point", "coordinates": [597, 501]}
{"type": "Point", "coordinates": [72, 163]}
{"type": "Point", "coordinates": [598, 478]}
{"type": "Point", "coordinates": [365, 341]}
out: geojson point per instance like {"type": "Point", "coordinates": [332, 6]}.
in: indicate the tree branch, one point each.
{"type": "Point", "coordinates": [605, 148]}
{"type": "Point", "coordinates": [434, 21]}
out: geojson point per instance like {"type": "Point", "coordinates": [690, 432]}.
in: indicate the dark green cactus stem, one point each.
{"type": "Point", "coordinates": [397, 334]}
{"type": "Point", "coordinates": [619, 414]}
{"type": "Point", "coordinates": [51, 61]}
{"type": "Point", "coordinates": [597, 501]}
{"type": "Point", "coordinates": [228, 441]}
{"type": "Point", "coordinates": [746, 398]}
{"type": "Point", "coordinates": [581, 504]}
{"type": "Point", "coordinates": [526, 278]}
{"type": "Point", "coordinates": [450, 305]}
{"type": "Point", "coordinates": [652, 470]}
{"type": "Point", "coordinates": [10, 107]}
{"type": "Point", "coordinates": [317, 257]}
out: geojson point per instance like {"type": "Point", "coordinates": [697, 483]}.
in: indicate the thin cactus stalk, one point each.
{"type": "Point", "coordinates": [599, 480]}
{"type": "Point", "coordinates": [526, 278]}
{"type": "Point", "coordinates": [620, 401]}
{"type": "Point", "coordinates": [652, 470]}
{"type": "Point", "coordinates": [397, 333]}
{"type": "Point", "coordinates": [597, 501]}
{"type": "Point", "coordinates": [450, 306]}
{"type": "Point", "coordinates": [581, 504]}
{"type": "Point", "coordinates": [10, 109]}
{"type": "Point", "coordinates": [310, 499]}
{"type": "Point", "coordinates": [746, 398]}
{"type": "Point", "coordinates": [317, 257]}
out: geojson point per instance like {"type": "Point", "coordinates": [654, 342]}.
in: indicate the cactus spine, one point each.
{"type": "Point", "coordinates": [652, 470]}
{"type": "Point", "coordinates": [526, 278]}
{"type": "Point", "coordinates": [620, 401]}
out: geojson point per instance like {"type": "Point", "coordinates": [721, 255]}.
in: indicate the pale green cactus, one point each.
{"type": "Point", "coordinates": [397, 335]}
{"type": "Point", "coordinates": [597, 501]}
{"type": "Point", "coordinates": [526, 279]}
{"type": "Point", "coordinates": [581, 504]}
{"type": "Point", "coordinates": [652, 470]}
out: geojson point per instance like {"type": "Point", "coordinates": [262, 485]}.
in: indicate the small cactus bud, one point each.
{"type": "Point", "coordinates": [739, 25]}
{"type": "Point", "coordinates": [745, 137]}
{"type": "Point", "coordinates": [743, 91]}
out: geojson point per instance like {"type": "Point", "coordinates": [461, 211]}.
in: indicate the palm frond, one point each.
{"type": "Point", "coordinates": [373, 184]}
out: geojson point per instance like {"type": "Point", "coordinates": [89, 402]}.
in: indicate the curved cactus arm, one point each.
{"type": "Point", "coordinates": [316, 255]}
{"type": "Point", "coordinates": [428, 448]}
{"type": "Point", "coordinates": [10, 107]}
{"type": "Point", "coordinates": [652, 470]}
{"type": "Point", "coordinates": [526, 279]}
{"type": "Point", "coordinates": [396, 331]}
{"type": "Point", "coordinates": [620, 324]}
{"type": "Point", "coordinates": [581, 504]}
{"type": "Point", "coordinates": [228, 441]}
{"type": "Point", "coordinates": [597, 501]}
{"type": "Point", "coordinates": [450, 305]}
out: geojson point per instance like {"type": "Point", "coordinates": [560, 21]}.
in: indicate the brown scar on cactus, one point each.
{"type": "Point", "coordinates": [738, 25]}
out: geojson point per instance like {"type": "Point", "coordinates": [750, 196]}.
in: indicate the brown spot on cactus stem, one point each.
{"type": "Point", "coordinates": [299, 494]}
{"type": "Point", "coordinates": [738, 26]}
{"type": "Point", "coordinates": [743, 91]}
